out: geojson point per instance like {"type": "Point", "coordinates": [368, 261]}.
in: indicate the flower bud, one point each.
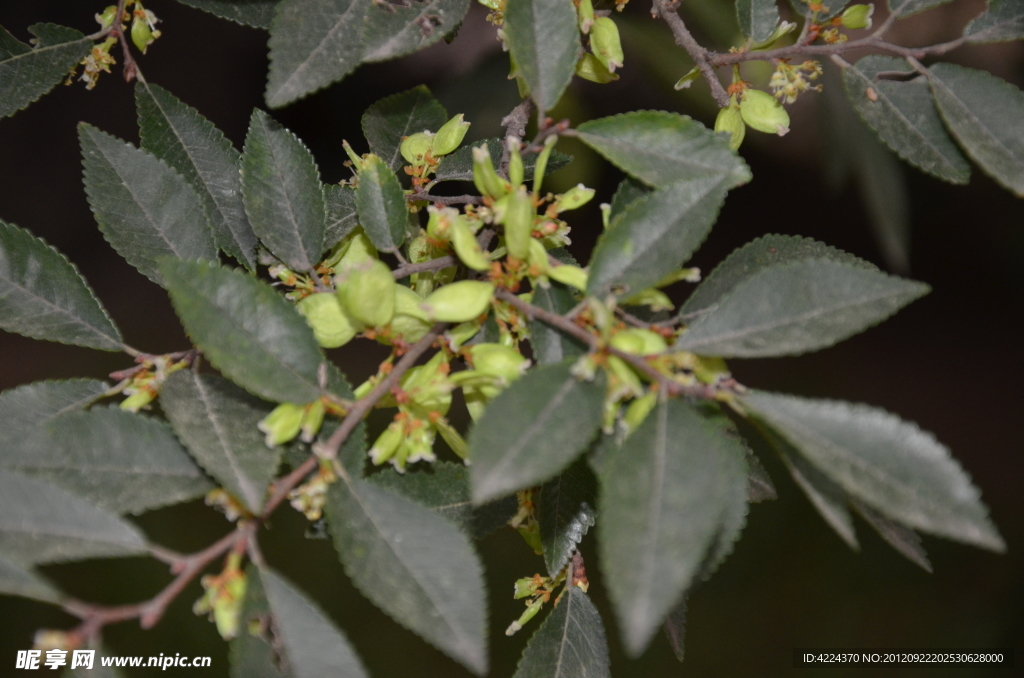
{"type": "Point", "coordinates": [485, 178]}
{"type": "Point", "coordinates": [585, 12]}
{"type": "Point", "coordinates": [518, 216]}
{"type": "Point", "coordinates": [605, 43]}
{"type": "Point", "coordinates": [458, 302]}
{"type": "Point", "coordinates": [764, 113]}
{"type": "Point", "coordinates": [731, 120]}
{"type": "Point", "coordinates": [590, 68]}
{"type": "Point", "coordinates": [368, 294]}
{"type": "Point", "coordinates": [516, 171]}
{"type": "Point", "coordinates": [465, 244]}
{"type": "Point", "coordinates": [386, 445]}
{"type": "Point", "coordinates": [415, 146]}
{"type": "Point", "coordinates": [538, 258]}
{"type": "Point", "coordinates": [639, 342]}
{"type": "Point", "coordinates": [282, 424]}
{"type": "Point", "coordinates": [569, 275]}
{"type": "Point", "coordinates": [857, 16]}
{"type": "Point", "coordinates": [312, 420]}
{"type": "Point", "coordinates": [576, 197]}
{"type": "Point", "coordinates": [450, 136]}
{"type": "Point", "coordinates": [136, 401]}
{"type": "Point", "coordinates": [499, 361]}
{"type": "Point", "coordinates": [331, 326]}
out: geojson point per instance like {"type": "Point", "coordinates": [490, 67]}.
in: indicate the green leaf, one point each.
{"type": "Point", "coordinates": [983, 113]}
{"type": "Point", "coordinates": [255, 13]}
{"type": "Point", "coordinates": [402, 28]}
{"type": "Point", "coordinates": [342, 219]}
{"type": "Point", "coordinates": [533, 430]}
{"type": "Point", "coordinates": [28, 73]}
{"type": "Point", "coordinates": [566, 509]}
{"type": "Point", "coordinates": [544, 40]}
{"type": "Point", "coordinates": [906, 542]}
{"type": "Point", "coordinates": [569, 644]}
{"type": "Point", "coordinates": [282, 193]}
{"type": "Point", "coordinates": [459, 165]}
{"type": "Point", "coordinates": [41, 523]}
{"type": "Point", "coordinates": [903, 115]}
{"type": "Point", "coordinates": [654, 236]}
{"type": "Point", "coordinates": [803, 7]}
{"type": "Point", "coordinates": [192, 145]}
{"type": "Point", "coordinates": [246, 330]}
{"type": "Point", "coordinates": [666, 496]}
{"type": "Point", "coordinates": [43, 296]}
{"type": "Point", "coordinates": [1003, 21]}
{"type": "Point", "coordinates": [145, 209]}
{"type": "Point", "coordinates": [16, 581]}
{"type": "Point", "coordinates": [550, 345]}
{"type": "Point", "coordinates": [765, 252]}
{"type": "Point", "coordinates": [661, 148]}
{"type": "Point", "coordinates": [26, 409]}
{"type": "Point", "coordinates": [904, 8]}
{"type": "Point", "coordinates": [444, 488]}
{"type": "Point", "coordinates": [798, 307]}
{"type": "Point", "coordinates": [758, 18]}
{"type": "Point", "coordinates": [119, 461]}
{"type": "Point", "coordinates": [414, 565]}
{"type": "Point", "coordinates": [217, 422]}
{"type": "Point", "coordinates": [889, 464]}
{"type": "Point", "coordinates": [380, 203]}
{"type": "Point", "coordinates": [629, 191]}
{"type": "Point", "coordinates": [256, 651]}
{"type": "Point", "coordinates": [312, 645]}
{"type": "Point", "coordinates": [388, 121]}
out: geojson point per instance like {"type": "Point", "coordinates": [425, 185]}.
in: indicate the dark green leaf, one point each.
{"type": "Point", "coordinates": [903, 539]}
{"type": "Point", "coordinates": [550, 345]}
{"type": "Point", "coordinates": [629, 191]}
{"type": "Point", "coordinates": [145, 209]}
{"type": "Point", "coordinates": [26, 409]}
{"type": "Point", "coordinates": [654, 236]}
{"type": "Point", "coordinates": [256, 652]}
{"type": "Point", "coordinates": [459, 165]}
{"type": "Point", "coordinates": [119, 461]}
{"type": "Point", "coordinates": [569, 644]}
{"type": "Point", "coordinates": [380, 203]}
{"type": "Point", "coordinates": [675, 629]}
{"type": "Point", "coordinates": [255, 13]}
{"type": "Point", "coordinates": [282, 193]}
{"type": "Point", "coordinates": [984, 114]}
{"type": "Point", "coordinates": [758, 18]}
{"type": "Point", "coordinates": [414, 565]}
{"type": "Point", "coordinates": [445, 489]}
{"type": "Point", "coordinates": [246, 330]}
{"type": "Point", "coordinates": [544, 40]}
{"type": "Point", "coordinates": [395, 29]}
{"type": "Point", "coordinates": [566, 509]}
{"type": "Point", "coordinates": [217, 422]}
{"type": "Point", "coordinates": [757, 255]}
{"type": "Point", "coordinates": [28, 73]}
{"type": "Point", "coordinates": [16, 581]}
{"type": "Point", "coordinates": [340, 202]}
{"type": "Point", "coordinates": [803, 7]}
{"type": "Point", "coordinates": [1003, 21]}
{"type": "Point", "coordinates": [662, 148]}
{"type": "Point", "coordinates": [798, 307]}
{"type": "Point", "coordinates": [903, 114]}
{"type": "Point", "coordinates": [890, 465]}
{"type": "Point", "coordinates": [666, 495]}
{"type": "Point", "coordinates": [533, 430]}
{"type": "Point", "coordinates": [312, 645]}
{"type": "Point", "coordinates": [41, 523]}
{"type": "Point", "coordinates": [43, 296]}
{"type": "Point", "coordinates": [188, 142]}
{"type": "Point", "coordinates": [388, 121]}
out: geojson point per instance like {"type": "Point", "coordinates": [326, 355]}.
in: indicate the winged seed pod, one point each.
{"type": "Point", "coordinates": [450, 136]}
{"type": "Point", "coordinates": [485, 178]}
{"type": "Point", "coordinates": [410, 322]}
{"type": "Point", "coordinates": [464, 242]}
{"type": "Point", "coordinates": [517, 217]}
{"type": "Point", "coordinates": [569, 275]}
{"type": "Point", "coordinates": [730, 120]}
{"type": "Point", "coordinates": [605, 43]}
{"type": "Point", "coordinates": [857, 16]}
{"type": "Point", "coordinates": [458, 302]}
{"type": "Point", "coordinates": [416, 146]}
{"type": "Point", "coordinates": [368, 294]}
{"type": "Point", "coordinates": [590, 68]}
{"type": "Point", "coordinates": [516, 171]}
{"type": "Point", "coordinates": [282, 424]}
{"type": "Point", "coordinates": [764, 113]}
{"type": "Point", "coordinates": [331, 325]}
{"type": "Point", "coordinates": [585, 12]}
{"type": "Point", "coordinates": [576, 197]}
{"type": "Point", "coordinates": [639, 342]}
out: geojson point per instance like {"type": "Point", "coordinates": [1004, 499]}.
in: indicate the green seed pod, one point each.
{"type": "Point", "coordinates": [485, 178]}
{"type": "Point", "coordinates": [313, 420]}
{"type": "Point", "coordinates": [605, 43]}
{"type": "Point", "coordinates": [465, 244]}
{"type": "Point", "coordinates": [450, 136]}
{"type": "Point", "coordinates": [731, 120]}
{"type": "Point", "coordinates": [460, 334]}
{"type": "Point", "coordinates": [498, 360]}
{"type": "Point", "coordinates": [857, 16]}
{"type": "Point", "coordinates": [331, 326]}
{"type": "Point", "coordinates": [526, 587]}
{"type": "Point", "coordinates": [368, 294]}
{"type": "Point", "coordinates": [639, 409]}
{"type": "Point", "coordinates": [710, 370]}
{"type": "Point", "coordinates": [415, 146]}
{"type": "Point", "coordinates": [655, 299]}
{"type": "Point", "coordinates": [516, 171]}
{"type": "Point", "coordinates": [282, 424]}
{"type": "Point", "coordinates": [639, 342]}
{"type": "Point", "coordinates": [458, 302]}
{"type": "Point", "coordinates": [407, 302]}
{"type": "Point", "coordinates": [764, 113]}
{"type": "Point", "coordinates": [142, 35]}
{"type": "Point", "coordinates": [106, 19]}
{"type": "Point", "coordinates": [421, 445]}
{"type": "Point", "coordinates": [569, 275]}
{"type": "Point", "coordinates": [538, 258]}
{"type": "Point", "coordinates": [585, 12]}
{"type": "Point", "coordinates": [576, 197]}
{"type": "Point", "coordinates": [589, 67]}
{"type": "Point", "coordinates": [386, 445]}
{"type": "Point", "coordinates": [627, 378]}
{"type": "Point", "coordinates": [518, 216]}
{"type": "Point", "coordinates": [357, 250]}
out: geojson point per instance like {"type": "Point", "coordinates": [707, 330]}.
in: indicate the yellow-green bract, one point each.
{"type": "Point", "coordinates": [459, 301]}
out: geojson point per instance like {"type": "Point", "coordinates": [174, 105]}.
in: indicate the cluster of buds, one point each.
{"type": "Point", "coordinates": [310, 497]}
{"type": "Point", "coordinates": [605, 55]}
{"type": "Point", "coordinates": [288, 420]}
{"type": "Point", "coordinates": [493, 367]}
{"type": "Point", "coordinates": [223, 597]}
{"type": "Point", "coordinates": [99, 60]}
{"type": "Point", "coordinates": [424, 150]}
{"type": "Point", "coordinates": [788, 82]}
{"type": "Point", "coordinates": [143, 385]}
{"type": "Point", "coordinates": [752, 108]}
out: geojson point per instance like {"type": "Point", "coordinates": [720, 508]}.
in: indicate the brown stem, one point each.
{"type": "Point", "coordinates": [432, 265]}
{"type": "Point", "coordinates": [445, 199]}
{"type": "Point", "coordinates": [701, 56]}
{"type": "Point", "coordinates": [871, 42]}
{"type": "Point", "coordinates": [515, 126]}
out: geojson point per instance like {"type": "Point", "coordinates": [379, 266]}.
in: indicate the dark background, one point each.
{"type": "Point", "coordinates": [951, 362]}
